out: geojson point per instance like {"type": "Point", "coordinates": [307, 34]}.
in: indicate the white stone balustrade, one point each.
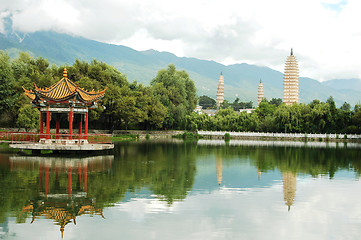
{"type": "Point", "coordinates": [279, 135]}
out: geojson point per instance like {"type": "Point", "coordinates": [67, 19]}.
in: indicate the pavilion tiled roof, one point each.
{"type": "Point", "coordinates": [61, 215]}
{"type": "Point", "coordinates": [64, 90]}
{"type": "Point", "coordinates": [30, 94]}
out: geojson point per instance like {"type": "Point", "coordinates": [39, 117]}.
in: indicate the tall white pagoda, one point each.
{"type": "Point", "coordinates": [290, 83]}
{"type": "Point", "coordinates": [220, 91]}
{"type": "Point", "coordinates": [260, 92]}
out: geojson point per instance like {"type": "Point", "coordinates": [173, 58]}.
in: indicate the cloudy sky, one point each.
{"type": "Point", "coordinates": [325, 34]}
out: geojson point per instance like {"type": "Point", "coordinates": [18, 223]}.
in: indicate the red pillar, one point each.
{"type": "Point", "coordinates": [57, 126]}
{"type": "Point", "coordinates": [86, 124]}
{"type": "Point", "coordinates": [41, 124]}
{"type": "Point", "coordinates": [80, 125]}
{"type": "Point", "coordinates": [71, 123]}
{"type": "Point", "coordinates": [47, 124]}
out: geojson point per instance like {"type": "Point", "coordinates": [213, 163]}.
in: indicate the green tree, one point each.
{"type": "Point", "coordinates": [237, 105]}
{"type": "Point", "coordinates": [319, 117]}
{"type": "Point", "coordinates": [225, 104]}
{"type": "Point", "coordinates": [356, 119]}
{"type": "Point", "coordinates": [177, 92]}
{"type": "Point", "coordinates": [333, 116]}
{"type": "Point", "coordinates": [343, 120]}
{"type": "Point", "coordinates": [207, 102]}
{"type": "Point", "coordinates": [156, 114]}
{"type": "Point", "coordinates": [28, 118]}
{"type": "Point", "coordinates": [282, 118]}
{"type": "Point", "coordinates": [226, 119]}
{"type": "Point", "coordinates": [6, 87]}
{"type": "Point", "coordinates": [265, 109]}
{"type": "Point", "coordinates": [276, 101]}
{"type": "Point", "coordinates": [128, 109]}
{"type": "Point", "coordinates": [346, 107]}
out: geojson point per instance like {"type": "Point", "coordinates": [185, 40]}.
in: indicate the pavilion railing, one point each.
{"type": "Point", "coordinates": [29, 137]}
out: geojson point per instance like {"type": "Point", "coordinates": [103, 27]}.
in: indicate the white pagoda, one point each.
{"type": "Point", "coordinates": [260, 92]}
{"type": "Point", "coordinates": [220, 91]}
{"type": "Point", "coordinates": [290, 83]}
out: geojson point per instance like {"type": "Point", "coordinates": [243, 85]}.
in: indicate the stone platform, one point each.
{"type": "Point", "coordinates": [63, 145]}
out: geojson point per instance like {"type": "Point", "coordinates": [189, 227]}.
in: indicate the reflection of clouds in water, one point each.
{"type": "Point", "coordinates": [322, 209]}
{"type": "Point", "coordinates": [138, 208]}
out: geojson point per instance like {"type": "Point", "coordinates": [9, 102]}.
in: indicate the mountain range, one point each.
{"type": "Point", "coordinates": [240, 79]}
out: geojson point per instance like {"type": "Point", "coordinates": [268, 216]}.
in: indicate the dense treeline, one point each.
{"type": "Point", "coordinates": [209, 103]}
{"type": "Point", "coordinates": [236, 105]}
{"type": "Point", "coordinates": [164, 104]}
{"type": "Point", "coordinates": [167, 103]}
{"type": "Point", "coordinates": [316, 117]}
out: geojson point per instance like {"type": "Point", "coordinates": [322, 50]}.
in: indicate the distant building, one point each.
{"type": "Point", "coordinates": [290, 83]}
{"type": "Point", "coordinates": [220, 91]}
{"type": "Point", "coordinates": [210, 112]}
{"type": "Point", "coordinates": [260, 92]}
{"type": "Point", "coordinates": [248, 110]}
{"type": "Point", "coordinates": [198, 109]}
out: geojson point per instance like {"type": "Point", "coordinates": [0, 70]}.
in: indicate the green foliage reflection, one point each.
{"type": "Point", "coordinates": [165, 170]}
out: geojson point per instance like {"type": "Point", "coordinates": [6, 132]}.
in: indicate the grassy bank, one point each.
{"type": "Point", "coordinates": [187, 135]}
{"type": "Point", "coordinates": [125, 137]}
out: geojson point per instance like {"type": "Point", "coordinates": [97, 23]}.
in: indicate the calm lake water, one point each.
{"type": "Point", "coordinates": [176, 190]}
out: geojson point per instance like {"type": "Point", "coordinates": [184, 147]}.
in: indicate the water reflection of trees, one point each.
{"type": "Point", "coordinates": [303, 160]}
{"type": "Point", "coordinates": [167, 170]}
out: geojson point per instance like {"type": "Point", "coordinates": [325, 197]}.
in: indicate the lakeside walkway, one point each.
{"type": "Point", "coordinates": [270, 143]}
{"type": "Point", "coordinates": [220, 134]}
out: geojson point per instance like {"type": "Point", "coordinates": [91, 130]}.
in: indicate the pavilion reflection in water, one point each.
{"type": "Point", "coordinates": [54, 201]}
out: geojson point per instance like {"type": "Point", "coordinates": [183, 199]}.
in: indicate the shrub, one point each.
{"type": "Point", "coordinates": [28, 117]}
{"type": "Point", "coordinates": [188, 135]}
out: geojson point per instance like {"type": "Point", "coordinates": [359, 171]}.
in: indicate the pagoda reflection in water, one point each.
{"type": "Point", "coordinates": [54, 201]}
{"type": "Point", "coordinates": [289, 180]}
{"type": "Point", "coordinates": [289, 187]}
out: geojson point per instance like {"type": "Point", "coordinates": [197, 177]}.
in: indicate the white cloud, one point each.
{"type": "Point", "coordinates": [138, 208]}
{"type": "Point", "coordinates": [324, 33]}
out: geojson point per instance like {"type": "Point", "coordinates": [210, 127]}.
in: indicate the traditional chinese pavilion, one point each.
{"type": "Point", "coordinates": [64, 98]}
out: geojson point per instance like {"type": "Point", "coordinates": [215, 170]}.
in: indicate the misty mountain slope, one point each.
{"type": "Point", "coordinates": [344, 84]}
{"type": "Point", "coordinates": [240, 79]}
{"type": "Point", "coordinates": [65, 48]}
